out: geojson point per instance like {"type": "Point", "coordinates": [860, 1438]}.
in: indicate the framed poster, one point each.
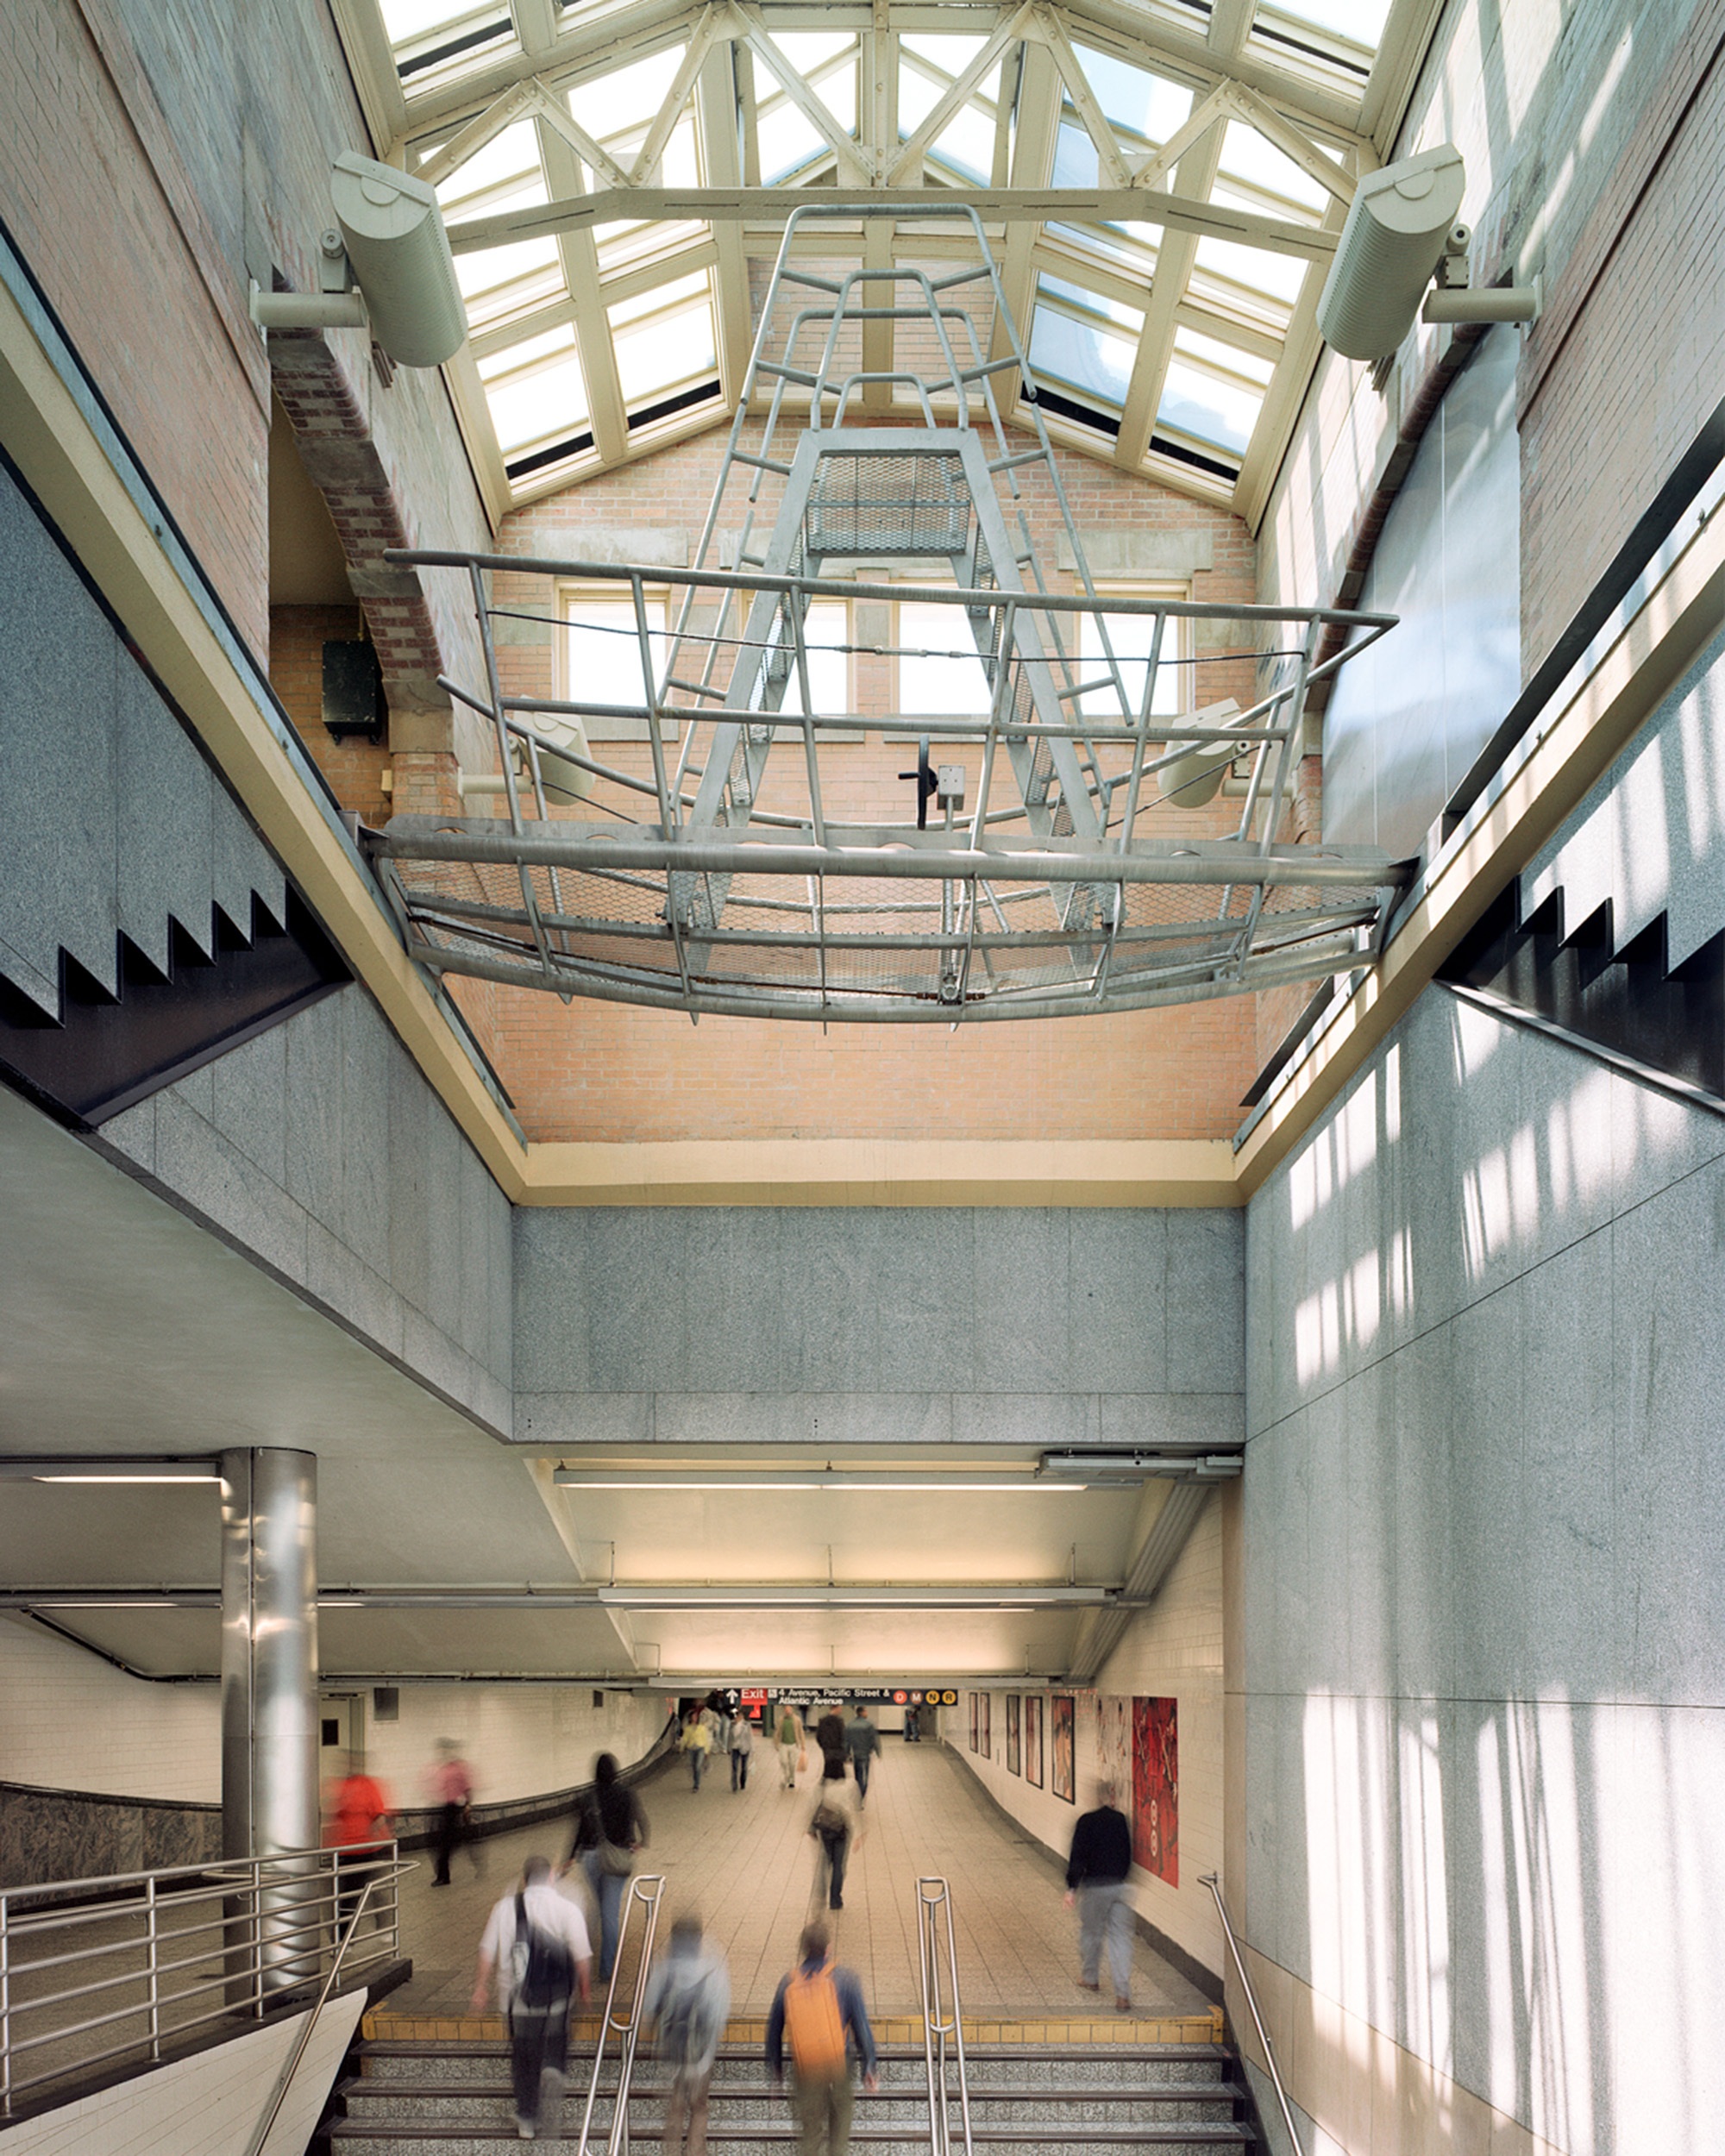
{"type": "Point", "coordinates": [1114, 1744]}
{"type": "Point", "coordinates": [975, 1721]}
{"type": "Point", "coordinates": [1032, 1738]}
{"type": "Point", "coordinates": [1156, 1788]}
{"type": "Point", "coordinates": [988, 1746]}
{"type": "Point", "coordinates": [1014, 1703]}
{"type": "Point", "coordinates": [1063, 1777]}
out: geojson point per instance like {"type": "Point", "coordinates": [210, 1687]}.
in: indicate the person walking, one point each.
{"type": "Point", "coordinates": [536, 1947]}
{"type": "Point", "coordinates": [742, 1744]}
{"type": "Point", "coordinates": [451, 1784]}
{"type": "Point", "coordinates": [610, 1828]}
{"type": "Point", "coordinates": [863, 1742]}
{"type": "Point", "coordinates": [790, 1743]}
{"type": "Point", "coordinates": [356, 1826]}
{"type": "Point", "coordinates": [818, 2012]}
{"type": "Point", "coordinates": [829, 1735]}
{"type": "Point", "coordinates": [835, 1828]}
{"type": "Point", "coordinates": [697, 1742]}
{"type": "Point", "coordinates": [688, 2002]}
{"type": "Point", "coordinates": [1096, 1880]}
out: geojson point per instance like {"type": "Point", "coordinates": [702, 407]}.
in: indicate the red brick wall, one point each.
{"type": "Point", "coordinates": [612, 1071]}
{"type": "Point", "coordinates": [353, 767]}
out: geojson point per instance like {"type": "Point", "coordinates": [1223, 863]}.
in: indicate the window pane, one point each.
{"type": "Point", "coordinates": [1247, 156]}
{"type": "Point", "coordinates": [1130, 636]}
{"type": "Point", "coordinates": [1133, 97]}
{"type": "Point", "coordinates": [603, 656]}
{"type": "Point", "coordinates": [669, 349]}
{"type": "Point", "coordinates": [787, 141]}
{"type": "Point", "coordinates": [1075, 158]}
{"type": "Point", "coordinates": [1203, 405]}
{"type": "Point", "coordinates": [939, 687]}
{"type": "Point", "coordinates": [627, 97]}
{"type": "Point", "coordinates": [1082, 354]}
{"type": "Point", "coordinates": [551, 400]}
{"type": "Point", "coordinates": [825, 628]}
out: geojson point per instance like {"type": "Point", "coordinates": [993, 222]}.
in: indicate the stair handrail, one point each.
{"type": "Point", "coordinates": [647, 1889]}
{"type": "Point", "coordinates": [934, 1903]}
{"type": "Point", "coordinates": [285, 2078]}
{"type": "Point", "coordinates": [1210, 1880]}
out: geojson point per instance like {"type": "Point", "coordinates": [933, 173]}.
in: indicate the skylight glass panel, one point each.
{"type": "Point", "coordinates": [1128, 318]}
{"type": "Point", "coordinates": [407, 20]}
{"type": "Point", "coordinates": [1131, 247]}
{"type": "Point", "coordinates": [967, 145]}
{"type": "Point", "coordinates": [508, 280]}
{"type": "Point", "coordinates": [808, 51]}
{"type": "Point", "coordinates": [1133, 97]}
{"type": "Point", "coordinates": [1214, 351]}
{"type": "Point", "coordinates": [939, 686]}
{"type": "Point", "coordinates": [535, 403]}
{"type": "Point", "coordinates": [1082, 354]}
{"type": "Point", "coordinates": [434, 42]}
{"type": "Point", "coordinates": [1247, 156]}
{"type": "Point", "coordinates": [507, 164]}
{"type": "Point", "coordinates": [1075, 157]}
{"type": "Point", "coordinates": [787, 141]}
{"type": "Point", "coordinates": [627, 97]}
{"type": "Point", "coordinates": [1208, 406]}
{"type": "Point", "coordinates": [1358, 21]}
{"type": "Point", "coordinates": [663, 348]}
{"type": "Point", "coordinates": [1254, 270]}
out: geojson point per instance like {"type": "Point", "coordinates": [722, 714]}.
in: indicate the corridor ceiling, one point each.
{"type": "Point", "coordinates": [1204, 152]}
{"type": "Point", "coordinates": [131, 1330]}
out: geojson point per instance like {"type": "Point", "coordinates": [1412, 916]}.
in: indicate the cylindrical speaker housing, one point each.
{"type": "Point", "coordinates": [1389, 249]}
{"type": "Point", "coordinates": [395, 240]}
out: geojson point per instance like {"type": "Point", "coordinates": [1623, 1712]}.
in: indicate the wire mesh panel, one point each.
{"type": "Point", "coordinates": [1100, 821]}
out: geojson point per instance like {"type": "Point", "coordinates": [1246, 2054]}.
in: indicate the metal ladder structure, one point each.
{"type": "Point", "coordinates": [1079, 867]}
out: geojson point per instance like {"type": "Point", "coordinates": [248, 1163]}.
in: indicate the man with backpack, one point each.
{"type": "Point", "coordinates": [688, 1999]}
{"type": "Point", "coordinates": [536, 1945]}
{"type": "Point", "coordinates": [818, 2012]}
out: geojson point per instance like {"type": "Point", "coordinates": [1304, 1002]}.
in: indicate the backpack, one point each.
{"type": "Point", "coordinates": [542, 1970]}
{"type": "Point", "coordinates": [814, 2028]}
{"type": "Point", "coordinates": [686, 2019]}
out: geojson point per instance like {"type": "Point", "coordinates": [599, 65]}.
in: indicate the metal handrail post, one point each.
{"type": "Point", "coordinates": [155, 1974]}
{"type": "Point", "coordinates": [5, 2005]}
{"type": "Point", "coordinates": [628, 2029]}
{"type": "Point", "coordinates": [284, 2080]}
{"type": "Point", "coordinates": [937, 2027]}
{"type": "Point", "coordinates": [1210, 1880]}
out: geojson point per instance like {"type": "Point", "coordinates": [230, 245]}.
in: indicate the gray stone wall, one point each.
{"type": "Point", "coordinates": [845, 1327]}
{"type": "Point", "coordinates": [1484, 1528]}
{"type": "Point", "coordinates": [320, 1150]}
{"type": "Point", "coordinates": [68, 1835]}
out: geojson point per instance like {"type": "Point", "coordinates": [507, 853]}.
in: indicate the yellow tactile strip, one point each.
{"type": "Point", "coordinates": [747, 2031]}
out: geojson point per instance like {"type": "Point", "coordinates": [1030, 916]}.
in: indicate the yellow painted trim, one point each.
{"type": "Point", "coordinates": [1577, 745]}
{"type": "Point", "coordinates": [66, 467]}
{"type": "Point", "coordinates": [885, 1172]}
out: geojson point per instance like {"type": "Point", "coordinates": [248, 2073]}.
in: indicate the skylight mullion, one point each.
{"type": "Point", "coordinates": [1037, 132]}
{"type": "Point", "coordinates": [1193, 175]}
{"type": "Point", "coordinates": [721, 166]}
{"type": "Point", "coordinates": [579, 250]}
{"type": "Point", "coordinates": [1286, 389]}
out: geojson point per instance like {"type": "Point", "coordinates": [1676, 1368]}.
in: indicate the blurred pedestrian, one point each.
{"type": "Point", "coordinates": [610, 1828]}
{"type": "Point", "coordinates": [863, 1742]}
{"type": "Point", "coordinates": [688, 1999]}
{"type": "Point", "coordinates": [829, 1735]}
{"type": "Point", "coordinates": [742, 1744]}
{"type": "Point", "coordinates": [910, 1724]}
{"type": "Point", "coordinates": [536, 1947]}
{"type": "Point", "coordinates": [818, 2011]}
{"type": "Point", "coordinates": [357, 1826]}
{"type": "Point", "coordinates": [837, 1831]}
{"type": "Point", "coordinates": [698, 1741]}
{"type": "Point", "coordinates": [790, 1743]}
{"type": "Point", "coordinates": [1096, 1880]}
{"type": "Point", "coordinates": [451, 1784]}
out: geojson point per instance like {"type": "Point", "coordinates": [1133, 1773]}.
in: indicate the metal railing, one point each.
{"type": "Point", "coordinates": [284, 2080]}
{"type": "Point", "coordinates": [93, 1971]}
{"type": "Point", "coordinates": [1210, 1880]}
{"type": "Point", "coordinates": [942, 2026]}
{"type": "Point", "coordinates": [622, 2014]}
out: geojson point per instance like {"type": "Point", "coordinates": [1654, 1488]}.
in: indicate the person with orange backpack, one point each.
{"type": "Point", "coordinates": [818, 2011]}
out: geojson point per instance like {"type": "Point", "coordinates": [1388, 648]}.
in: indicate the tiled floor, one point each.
{"type": "Point", "coordinates": [746, 1864]}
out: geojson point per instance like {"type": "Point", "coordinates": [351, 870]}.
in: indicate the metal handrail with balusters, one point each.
{"type": "Point", "coordinates": [943, 2025]}
{"type": "Point", "coordinates": [622, 2019]}
{"type": "Point", "coordinates": [1210, 1880]}
{"type": "Point", "coordinates": [95, 1971]}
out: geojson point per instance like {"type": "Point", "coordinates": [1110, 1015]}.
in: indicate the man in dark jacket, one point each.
{"type": "Point", "coordinates": [1096, 1880]}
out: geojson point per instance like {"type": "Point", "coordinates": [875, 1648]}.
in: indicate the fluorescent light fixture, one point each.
{"type": "Point", "coordinates": [668, 1597]}
{"type": "Point", "coordinates": [1118, 1470]}
{"type": "Point", "coordinates": [123, 1478]}
{"type": "Point", "coordinates": [73, 1467]}
{"type": "Point", "coordinates": [890, 1484]}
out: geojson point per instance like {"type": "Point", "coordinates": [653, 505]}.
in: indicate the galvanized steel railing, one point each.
{"type": "Point", "coordinates": [97, 1970]}
{"type": "Point", "coordinates": [942, 2026]}
{"type": "Point", "coordinates": [622, 2015]}
{"type": "Point", "coordinates": [1210, 1880]}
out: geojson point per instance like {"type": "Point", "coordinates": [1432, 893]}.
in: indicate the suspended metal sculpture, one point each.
{"type": "Point", "coordinates": [1109, 836]}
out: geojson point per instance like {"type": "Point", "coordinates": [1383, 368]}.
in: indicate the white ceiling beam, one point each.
{"type": "Point", "coordinates": [1209, 112]}
{"type": "Point", "coordinates": [551, 109]}
{"type": "Point", "coordinates": [372, 63]}
{"type": "Point", "coordinates": [473, 416]}
{"type": "Point", "coordinates": [1408, 32]}
{"type": "Point", "coordinates": [878, 84]}
{"type": "Point", "coordinates": [1034, 147]}
{"type": "Point", "coordinates": [1009, 28]}
{"type": "Point", "coordinates": [485, 128]}
{"type": "Point", "coordinates": [1174, 262]}
{"type": "Point", "coordinates": [1013, 205]}
{"type": "Point", "coordinates": [1230, 24]}
{"type": "Point", "coordinates": [853, 159]}
{"type": "Point", "coordinates": [1118, 26]}
{"type": "Point", "coordinates": [607, 415]}
{"type": "Point", "coordinates": [606, 38]}
{"type": "Point", "coordinates": [1283, 134]}
{"type": "Point", "coordinates": [1116, 171]}
{"type": "Point", "coordinates": [717, 91]}
{"type": "Point", "coordinates": [715, 27]}
{"type": "Point", "coordinates": [1288, 386]}
{"type": "Point", "coordinates": [535, 25]}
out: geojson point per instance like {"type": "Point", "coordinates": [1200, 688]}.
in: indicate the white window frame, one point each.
{"type": "Point", "coordinates": [570, 595]}
{"type": "Point", "coordinates": [1179, 642]}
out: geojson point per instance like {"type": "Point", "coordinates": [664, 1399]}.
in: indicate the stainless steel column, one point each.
{"type": "Point", "coordinates": [269, 1686]}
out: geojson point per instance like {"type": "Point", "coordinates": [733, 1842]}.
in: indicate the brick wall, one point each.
{"type": "Point", "coordinates": [611, 1071]}
{"type": "Point", "coordinates": [353, 767]}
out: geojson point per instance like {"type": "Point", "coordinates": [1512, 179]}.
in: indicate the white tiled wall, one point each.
{"type": "Point", "coordinates": [520, 1739]}
{"type": "Point", "coordinates": [207, 2105]}
{"type": "Point", "coordinates": [70, 1721]}
{"type": "Point", "coordinates": [1173, 1650]}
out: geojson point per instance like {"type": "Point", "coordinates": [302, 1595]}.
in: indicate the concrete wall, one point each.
{"type": "Point", "coordinates": [952, 1326]}
{"type": "Point", "coordinates": [1173, 1650]}
{"type": "Point", "coordinates": [1481, 1541]}
{"type": "Point", "coordinates": [520, 1740]}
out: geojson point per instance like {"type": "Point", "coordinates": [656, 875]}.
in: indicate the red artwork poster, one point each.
{"type": "Point", "coordinates": [987, 1744]}
{"type": "Point", "coordinates": [1156, 1788]}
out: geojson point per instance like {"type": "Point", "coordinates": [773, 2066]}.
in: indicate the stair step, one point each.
{"type": "Point", "coordinates": [1000, 2111]}
{"type": "Point", "coordinates": [381, 2136]}
{"type": "Point", "coordinates": [1124, 2066]}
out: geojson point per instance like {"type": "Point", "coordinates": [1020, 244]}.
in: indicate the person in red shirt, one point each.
{"type": "Point", "coordinates": [450, 1781]}
{"type": "Point", "coordinates": [356, 1818]}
